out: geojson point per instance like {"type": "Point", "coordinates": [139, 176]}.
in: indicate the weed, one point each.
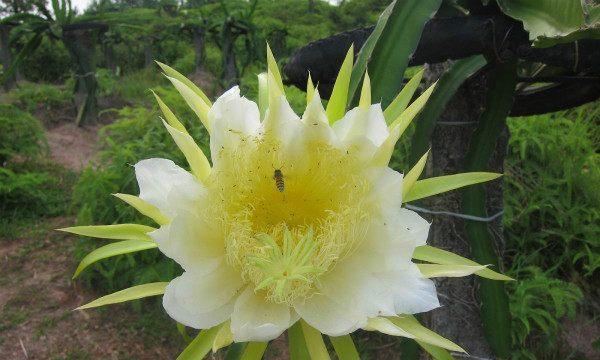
{"type": "Point", "coordinates": [20, 134]}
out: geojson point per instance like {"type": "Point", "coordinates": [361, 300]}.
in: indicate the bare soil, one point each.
{"type": "Point", "coordinates": [37, 298]}
{"type": "Point", "coordinates": [73, 146]}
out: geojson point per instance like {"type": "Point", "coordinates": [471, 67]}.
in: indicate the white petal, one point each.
{"type": "Point", "coordinates": [283, 125]}
{"type": "Point", "coordinates": [412, 293]}
{"type": "Point", "coordinates": [360, 125]}
{"type": "Point", "coordinates": [329, 316]}
{"type": "Point", "coordinates": [157, 177]}
{"type": "Point", "coordinates": [354, 284]}
{"type": "Point", "coordinates": [386, 189]}
{"type": "Point", "coordinates": [189, 240]}
{"type": "Point", "coordinates": [255, 319]}
{"type": "Point", "coordinates": [232, 118]}
{"type": "Point", "coordinates": [316, 125]}
{"type": "Point", "coordinates": [203, 297]}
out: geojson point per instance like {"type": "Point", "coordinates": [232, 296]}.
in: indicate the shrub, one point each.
{"type": "Point", "coordinates": [537, 304]}
{"type": "Point", "coordinates": [43, 97]}
{"type": "Point", "coordinates": [20, 134]}
{"type": "Point", "coordinates": [32, 190]}
{"type": "Point", "coordinates": [552, 203]}
{"type": "Point", "coordinates": [50, 62]}
{"type": "Point", "coordinates": [137, 135]}
{"type": "Point", "coordinates": [552, 222]}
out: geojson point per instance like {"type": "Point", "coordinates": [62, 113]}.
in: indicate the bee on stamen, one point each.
{"type": "Point", "coordinates": [279, 183]}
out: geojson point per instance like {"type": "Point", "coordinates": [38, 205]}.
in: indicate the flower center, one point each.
{"type": "Point", "coordinates": [287, 216]}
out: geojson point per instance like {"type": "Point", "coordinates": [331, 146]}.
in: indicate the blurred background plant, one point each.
{"type": "Point", "coordinates": [551, 195]}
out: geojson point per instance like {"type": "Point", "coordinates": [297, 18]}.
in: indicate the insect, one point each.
{"type": "Point", "coordinates": [278, 177]}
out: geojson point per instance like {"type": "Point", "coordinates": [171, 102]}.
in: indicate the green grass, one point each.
{"type": "Point", "coordinates": [552, 223]}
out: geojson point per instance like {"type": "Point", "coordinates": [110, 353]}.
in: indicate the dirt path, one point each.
{"type": "Point", "coordinates": [73, 146]}
{"type": "Point", "coordinates": [36, 301]}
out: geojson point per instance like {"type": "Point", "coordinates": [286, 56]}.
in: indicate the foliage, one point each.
{"type": "Point", "coordinates": [552, 22]}
{"type": "Point", "coordinates": [138, 134]}
{"type": "Point", "coordinates": [50, 62]}
{"type": "Point", "coordinates": [538, 302]}
{"type": "Point", "coordinates": [556, 228]}
{"type": "Point", "coordinates": [44, 97]}
{"type": "Point", "coordinates": [552, 217]}
{"type": "Point", "coordinates": [32, 190]}
{"type": "Point", "coordinates": [20, 134]}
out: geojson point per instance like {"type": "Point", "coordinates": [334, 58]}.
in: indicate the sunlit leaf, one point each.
{"type": "Point", "coordinates": [437, 270]}
{"type": "Point", "coordinates": [195, 157]}
{"type": "Point", "coordinates": [144, 208]}
{"type": "Point", "coordinates": [194, 101]}
{"type": "Point", "coordinates": [274, 69]}
{"type": "Point", "coordinates": [132, 293]}
{"type": "Point", "coordinates": [438, 256]}
{"type": "Point", "coordinates": [413, 175]}
{"type": "Point", "coordinates": [441, 184]}
{"type": "Point", "coordinates": [224, 337]}
{"type": "Point", "coordinates": [336, 107]}
{"type": "Point", "coordinates": [310, 90]}
{"type": "Point", "coordinates": [344, 347]}
{"type": "Point", "coordinates": [365, 94]}
{"type": "Point", "coordinates": [254, 351]}
{"type": "Point", "coordinates": [409, 324]}
{"type": "Point", "coordinates": [169, 71]}
{"type": "Point", "coordinates": [113, 232]}
{"type": "Point", "coordinates": [399, 104]}
{"type": "Point", "coordinates": [201, 345]}
{"type": "Point", "coordinates": [296, 343]}
{"type": "Point", "coordinates": [113, 249]}
{"type": "Point", "coordinates": [436, 352]}
{"type": "Point", "coordinates": [168, 114]}
{"type": "Point", "coordinates": [411, 112]}
{"type": "Point", "coordinates": [314, 342]}
{"type": "Point", "coordinates": [385, 326]}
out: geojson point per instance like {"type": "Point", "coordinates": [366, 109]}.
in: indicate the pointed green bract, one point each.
{"type": "Point", "coordinates": [412, 111]}
{"type": "Point", "coordinates": [436, 352]}
{"type": "Point", "coordinates": [410, 324]}
{"type": "Point", "coordinates": [144, 208]}
{"type": "Point", "coordinates": [344, 347]}
{"type": "Point", "coordinates": [438, 256]}
{"type": "Point", "coordinates": [113, 249]}
{"type": "Point", "coordinates": [314, 342]}
{"type": "Point", "coordinates": [399, 104]}
{"type": "Point", "coordinates": [194, 101]}
{"type": "Point", "coordinates": [170, 72]}
{"type": "Point", "coordinates": [385, 326]}
{"type": "Point", "coordinates": [437, 185]}
{"type": "Point", "coordinates": [254, 351]}
{"type": "Point", "coordinates": [310, 90]}
{"type": "Point", "coordinates": [336, 108]}
{"type": "Point", "coordinates": [113, 232]}
{"type": "Point", "coordinates": [132, 293]}
{"type": "Point", "coordinates": [413, 175]}
{"type": "Point", "coordinates": [274, 69]}
{"type": "Point", "coordinates": [195, 157]}
{"type": "Point", "coordinates": [169, 116]}
{"type": "Point", "coordinates": [224, 337]}
{"type": "Point", "coordinates": [201, 345]}
{"type": "Point", "coordinates": [437, 270]}
{"type": "Point", "coordinates": [181, 329]}
{"type": "Point", "coordinates": [365, 93]}
{"type": "Point", "coordinates": [296, 343]}
{"type": "Point", "coordinates": [263, 94]}
{"type": "Point", "coordinates": [383, 155]}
